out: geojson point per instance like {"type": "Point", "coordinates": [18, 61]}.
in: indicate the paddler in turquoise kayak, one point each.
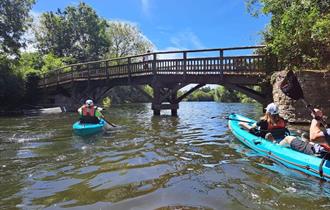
{"type": "Point", "coordinates": [271, 126]}
{"type": "Point", "coordinates": [91, 120]}
{"type": "Point", "coordinates": [90, 113]}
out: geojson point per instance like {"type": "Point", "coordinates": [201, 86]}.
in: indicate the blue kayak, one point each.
{"type": "Point", "coordinates": [308, 164]}
{"type": "Point", "coordinates": [85, 129]}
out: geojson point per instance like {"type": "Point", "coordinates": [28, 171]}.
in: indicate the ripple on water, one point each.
{"type": "Point", "coordinates": [28, 136]}
{"type": "Point", "coordinates": [185, 162]}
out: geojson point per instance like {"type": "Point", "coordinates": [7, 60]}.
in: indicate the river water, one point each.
{"type": "Point", "coordinates": [187, 162]}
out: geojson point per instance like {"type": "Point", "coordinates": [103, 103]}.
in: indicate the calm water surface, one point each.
{"type": "Point", "coordinates": [187, 162]}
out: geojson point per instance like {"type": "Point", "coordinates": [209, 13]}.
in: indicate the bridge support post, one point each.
{"type": "Point", "coordinates": [156, 101]}
{"type": "Point", "coordinates": [174, 103]}
{"type": "Point", "coordinates": [165, 98]}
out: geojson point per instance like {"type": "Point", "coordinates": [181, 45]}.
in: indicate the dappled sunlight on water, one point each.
{"type": "Point", "coordinates": [148, 162]}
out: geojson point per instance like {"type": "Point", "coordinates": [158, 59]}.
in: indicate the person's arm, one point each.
{"type": "Point", "coordinates": [247, 126]}
{"type": "Point", "coordinates": [98, 112]}
{"type": "Point", "coordinates": [315, 133]}
{"type": "Point", "coordinates": [80, 110]}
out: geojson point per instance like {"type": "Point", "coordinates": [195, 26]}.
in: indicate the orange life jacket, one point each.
{"type": "Point", "coordinates": [88, 111]}
{"type": "Point", "coordinates": [279, 124]}
{"type": "Point", "coordinates": [326, 146]}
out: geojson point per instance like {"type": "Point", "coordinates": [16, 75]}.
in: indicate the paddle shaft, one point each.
{"type": "Point", "coordinates": [238, 120]}
{"type": "Point", "coordinates": [109, 122]}
{"type": "Point", "coordinates": [308, 106]}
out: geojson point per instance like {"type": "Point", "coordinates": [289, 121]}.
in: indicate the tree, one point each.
{"type": "Point", "coordinates": [223, 94]}
{"type": "Point", "coordinates": [298, 33]}
{"type": "Point", "coordinates": [11, 85]}
{"type": "Point", "coordinates": [125, 39]}
{"type": "Point", "coordinates": [36, 63]}
{"type": "Point", "coordinates": [76, 32]}
{"type": "Point", "coordinates": [13, 23]}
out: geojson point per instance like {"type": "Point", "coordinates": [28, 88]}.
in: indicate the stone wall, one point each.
{"type": "Point", "coordinates": [316, 89]}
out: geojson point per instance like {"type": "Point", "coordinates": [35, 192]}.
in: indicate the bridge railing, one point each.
{"type": "Point", "coordinates": [170, 62]}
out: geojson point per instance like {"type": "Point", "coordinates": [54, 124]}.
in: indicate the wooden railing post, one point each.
{"type": "Point", "coordinates": [88, 72]}
{"type": "Point", "coordinates": [107, 69]}
{"type": "Point", "coordinates": [221, 62]}
{"type": "Point", "coordinates": [72, 74]}
{"type": "Point", "coordinates": [129, 70]}
{"type": "Point", "coordinates": [184, 63]}
{"type": "Point", "coordinates": [154, 60]}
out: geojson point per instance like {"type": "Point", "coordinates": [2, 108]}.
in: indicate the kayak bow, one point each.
{"type": "Point", "coordinates": [85, 129]}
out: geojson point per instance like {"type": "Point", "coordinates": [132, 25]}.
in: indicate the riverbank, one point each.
{"type": "Point", "coordinates": [41, 111]}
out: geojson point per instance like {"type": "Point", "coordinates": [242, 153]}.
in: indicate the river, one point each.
{"type": "Point", "coordinates": [148, 162]}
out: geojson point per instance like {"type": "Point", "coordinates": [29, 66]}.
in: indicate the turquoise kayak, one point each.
{"type": "Point", "coordinates": [85, 129]}
{"type": "Point", "coordinates": [308, 164]}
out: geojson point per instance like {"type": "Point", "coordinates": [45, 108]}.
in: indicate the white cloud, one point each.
{"type": "Point", "coordinates": [186, 40]}
{"type": "Point", "coordinates": [170, 55]}
{"type": "Point", "coordinates": [145, 7]}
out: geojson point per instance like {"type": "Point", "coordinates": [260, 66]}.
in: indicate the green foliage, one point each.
{"type": "Point", "coordinates": [11, 85]}
{"type": "Point", "coordinates": [298, 33]}
{"type": "Point", "coordinates": [203, 94]}
{"type": "Point", "coordinates": [77, 32]}
{"type": "Point", "coordinates": [29, 63]}
{"type": "Point", "coordinates": [36, 63]}
{"type": "Point", "coordinates": [106, 102]}
{"type": "Point", "coordinates": [148, 90]}
{"type": "Point", "coordinates": [125, 39]}
{"type": "Point", "coordinates": [225, 95]}
{"type": "Point", "coordinates": [220, 94]}
{"type": "Point", "coordinates": [51, 62]}
{"type": "Point", "coordinates": [13, 23]}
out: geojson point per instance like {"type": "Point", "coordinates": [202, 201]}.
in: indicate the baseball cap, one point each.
{"type": "Point", "coordinates": [272, 109]}
{"type": "Point", "coordinates": [89, 102]}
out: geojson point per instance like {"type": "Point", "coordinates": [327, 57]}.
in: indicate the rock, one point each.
{"type": "Point", "coordinates": [316, 89]}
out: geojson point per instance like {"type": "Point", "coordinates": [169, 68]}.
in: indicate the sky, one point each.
{"type": "Point", "coordinates": [178, 24]}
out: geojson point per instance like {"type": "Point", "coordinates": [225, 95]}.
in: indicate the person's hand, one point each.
{"type": "Point", "coordinates": [317, 114]}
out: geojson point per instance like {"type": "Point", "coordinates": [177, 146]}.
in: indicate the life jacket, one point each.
{"type": "Point", "coordinates": [326, 146]}
{"type": "Point", "coordinates": [279, 124]}
{"type": "Point", "coordinates": [278, 131]}
{"type": "Point", "coordinates": [88, 115]}
{"type": "Point", "coordinates": [327, 139]}
{"type": "Point", "coordinates": [88, 111]}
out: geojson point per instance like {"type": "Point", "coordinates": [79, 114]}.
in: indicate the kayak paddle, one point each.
{"type": "Point", "coordinates": [238, 120]}
{"type": "Point", "coordinates": [290, 87]}
{"type": "Point", "coordinates": [113, 125]}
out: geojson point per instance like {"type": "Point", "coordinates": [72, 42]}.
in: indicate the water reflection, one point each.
{"type": "Point", "coordinates": [149, 162]}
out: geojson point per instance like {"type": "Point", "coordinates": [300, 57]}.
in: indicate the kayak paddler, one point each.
{"type": "Point", "coordinates": [319, 138]}
{"type": "Point", "coordinates": [89, 113]}
{"type": "Point", "coordinates": [271, 126]}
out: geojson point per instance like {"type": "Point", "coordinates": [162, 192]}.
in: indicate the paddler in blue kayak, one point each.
{"type": "Point", "coordinates": [89, 113]}
{"type": "Point", "coordinates": [271, 126]}
{"type": "Point", "coordinates": [319, 138]}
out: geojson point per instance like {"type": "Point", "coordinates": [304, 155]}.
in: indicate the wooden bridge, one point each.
{"type": "Point", "coordinates": [165, 72]}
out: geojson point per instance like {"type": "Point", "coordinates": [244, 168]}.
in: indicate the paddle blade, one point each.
{"type": "Point", "coordinates": [290, 86]}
